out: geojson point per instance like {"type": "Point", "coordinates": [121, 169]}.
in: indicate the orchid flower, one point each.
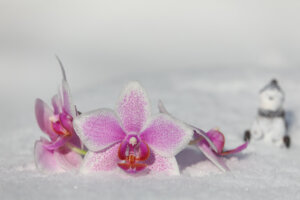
{"type": "Point", "coordinates": [130, 138]}
{"type": "Point", "coordinates": [218, 139]}
{"type": "Point", "coordinates": [211, 143]}
{"type": "Point", "coordinates": [63, 151]}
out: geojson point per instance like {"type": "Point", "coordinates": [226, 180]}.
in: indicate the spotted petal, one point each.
{"type": "Point", "coordinates": [133, 107]}
{"type": "Point", "coordinates": [160, 165]}
{"type": "Point", "coordinates": [99, 129]}
{"type": "Point", "coordinates": [106, 160]}
{"type": "Point", "coordinates": [166, 136]}
{"type": "Point", "coordinates": [197, 132]}
{"type": "Point", "coordinates": [44, 158]}
{"type": "Point", "coordinates": [43, 114]}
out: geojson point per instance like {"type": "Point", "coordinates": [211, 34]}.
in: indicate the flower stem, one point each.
{"type": "Point", "coordinates": [76, 149]}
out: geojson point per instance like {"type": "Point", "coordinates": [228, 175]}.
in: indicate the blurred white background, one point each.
{"type": "Point", "coordinates": [205, 59]}
{"type": "Point", "coordinates": [100, 38]}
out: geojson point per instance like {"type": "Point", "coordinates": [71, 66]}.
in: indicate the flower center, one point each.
{"type": "Point", "coordinates": [133, 152]}
{"type": "Point", "coordinates": [62, 124]}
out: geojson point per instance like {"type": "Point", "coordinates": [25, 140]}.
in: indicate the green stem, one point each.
{"type": "Point", "coordinates": [76, 149]}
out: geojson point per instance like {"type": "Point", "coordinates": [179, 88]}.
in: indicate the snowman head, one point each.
{"type": "Point", "coordinates": [271, 97]}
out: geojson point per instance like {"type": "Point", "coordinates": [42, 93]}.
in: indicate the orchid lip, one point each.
{"type": "Point", "coordinates": [132, 152]}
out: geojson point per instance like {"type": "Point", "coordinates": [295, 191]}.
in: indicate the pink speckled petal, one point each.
{"type": "Point", "coordinates": [44, 158]}
{"type": "Point", "coordinates": [133, 108]}
{"type": "Point", "coordinates": [56, 104]}
{"type": "Point", "coordinates": [60, 141]}
{"type": "Point", "coordinates": [236, 150]}
{"type": "Point", "coordinates": [159, 165]}
{"type": "Point", "coordinates": [105, 160]}
{"type": "Point", "coordinates": [99, 129]}
{"type": "Point", "coordinates": [43, 114]}
{"type": "Point", "coordinates": [68, 160]}
{"type": "Point", "coordinates": [166, 136]}
{"type": "Point", "coordinates": [217, 138]}
{"type": "Point", "coordinates": [198, 133]}
{"type": "Point", "coordinates": [208, 152]}
{"type": "Point", "coordinates": [66, 99]}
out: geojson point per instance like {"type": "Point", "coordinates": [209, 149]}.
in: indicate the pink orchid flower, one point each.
{"type": "Point", "coordinates": [130, 138]}
{"type": "Point", "coordinates": [210, 143]}
{"type": "Point", "coordinates": [58, 154]}
{"type": "Point", "coordinates": [219, 141]}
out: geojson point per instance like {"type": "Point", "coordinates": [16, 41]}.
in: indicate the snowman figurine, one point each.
{"type": "Point", "coordinates": [270, 123]}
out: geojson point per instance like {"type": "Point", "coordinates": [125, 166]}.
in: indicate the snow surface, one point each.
{"type": "Point", "coordinates": [207, 61]}
{"type": "Point", "coordinates": [206, 97]}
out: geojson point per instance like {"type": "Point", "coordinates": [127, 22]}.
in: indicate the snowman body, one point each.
{"type": "Point", "coordinates": [270, 123]}
{"type": "Point", "coordinates": [270, 130]}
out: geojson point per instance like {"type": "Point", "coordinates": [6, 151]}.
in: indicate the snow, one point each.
{"type": "Point", "coordinates": [205, 60]}
{"type": "Point", "coordinates": [224, 98]}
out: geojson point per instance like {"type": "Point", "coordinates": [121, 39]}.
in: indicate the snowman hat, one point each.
{"type": "Point", "coordinates": [273, 84]}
